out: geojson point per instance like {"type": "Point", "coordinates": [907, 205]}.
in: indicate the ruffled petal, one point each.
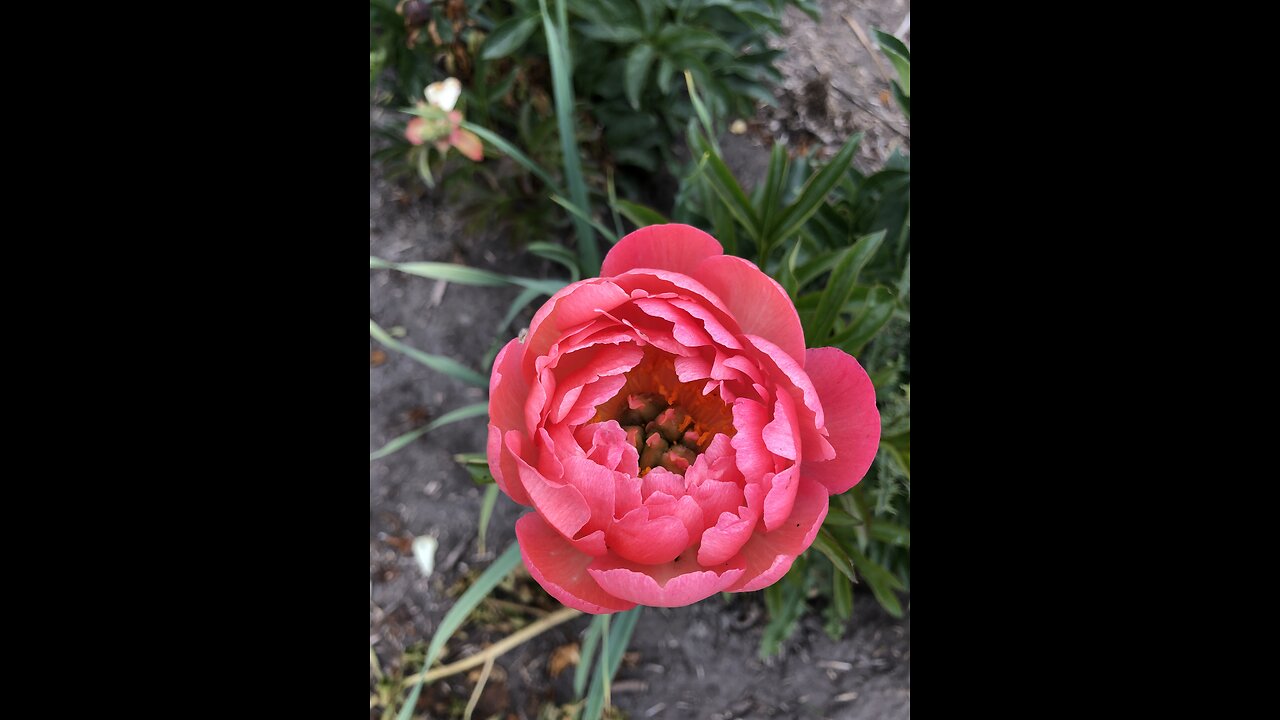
{"type": "Point", "coordinates": [852, 419]}
{"type": "Point", "coordinates": [672, 584]}
{"type": "Point", "coordinates": [674, 247]}
{"type": "Point", "coordinates": [767, 556]}
{"type": "Point", "coordinates": [561, 569]}
{"type": "Point", "coordinates": [755, 300]}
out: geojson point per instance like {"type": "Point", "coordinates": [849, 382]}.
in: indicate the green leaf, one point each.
{"type": "Point", "coordinates": [843, 277]}
{"type": "Point", "coordinates": [462, 413]}
{"type": "Point", "coordinates": [615, 646]}
{"type": "Point", "coordinates": [837, 517]}
{"type": "Point", "coordinates": [562, 89]}
{"type": "Point", "coordinates": [556, 253]}
{"type": "Point", "coordinates": [704, 117]}
{"type": "Point", "coordinates": [486, 511]}
{"type": "Point", "coordinates": [785, 603]}
{"type": "Point", "coordinates": [882, 582]}
{"type": "Point", "coordinates": [887, 532]}
{"type": "Point", "coordinates": [827, 545]}
{"type": "Point", "coordinates": [582, 215]}
{"type": "Point", "coordinates": [449, 272]}
{"type": "Point", "coordinates": [877, 309]}
{"type": "Point", "coordinates": [640, 215]}
{"type": "Point", "coordinates": [638, 62]}
{"type": "Point", "coordinates": [771, 197]}
{"type": "Point", "coordinates": [439, 363]}
{"type": "Point", "coordinates": [453, 619]}
{"type": "Point", "coordinates": [508, 37]}
{"type": "Point", "coordinates": [521, 301]}
{"type": "Point", "coordinates": [841, 596]}
{"type": "Point", "coordinates": [899, 55]}
{"type": "Point", "coordinates": [814, 193]}
{"type": "Point", "coordinates": [589, 643]}
{"type": "Point", "coordinates": [513, 152]}
{"type": "Point", "coordinates": [728, 190]}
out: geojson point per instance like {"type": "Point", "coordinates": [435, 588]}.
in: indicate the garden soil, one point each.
{"type": "Point", "coordinates": [699, 661]}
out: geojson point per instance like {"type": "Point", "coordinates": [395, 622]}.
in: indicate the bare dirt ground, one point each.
{"type": "Point", "coordinates": [693, 662]}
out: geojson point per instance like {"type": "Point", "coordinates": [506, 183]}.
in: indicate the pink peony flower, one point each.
{"type": "Point", "coordinates": [670, 430]}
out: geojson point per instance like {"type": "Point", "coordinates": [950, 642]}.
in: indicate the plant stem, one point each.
{"type": "Point", "coordinates": [498, 648]}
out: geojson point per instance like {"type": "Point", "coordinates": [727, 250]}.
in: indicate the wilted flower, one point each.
{"type": "Point", "coordinates": [437, 122]}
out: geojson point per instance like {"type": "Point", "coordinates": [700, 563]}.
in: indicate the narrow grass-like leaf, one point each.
{"type": "Point", "coordinates": [727, 188]}
{"type": "Point", "coordinates": [453, 619]}
{"type": "Point", "coordinates": [486, 511]}
{"type": "Point", "coordinates": [640, 215]}
{"type": "Point", "coordinates": [522, 300]}
{"type": "Point", "coordinates": [814, 192]}
{"type": "Point", "coordinates": [582, 215]}
{"type": "Point", "coordinates": [513, 152]}
{"type": "Point", "coordinates": [890, 533]}
{"type": "Point", "coordinates": [842, 596]}
{"type": "Point", "coordinates": [610, 658]}
{"type": "Point", "coordinates": [556, 253]}
{"type": "Point", "coordinates": [882, 582]}
{"type": "Point", "coordinates": [449, 272]}
{"type": "Point", "coordinates": [840, 286]}
{"type": "Point", "coordinates": [899, 55]}
{"type": "Point", "coordinates": [439, 363]}
{"type": "Point", "coordinates": [462, 413]}
{"type": "Point", "coordinates": [704, 117]}
{"type": "Point", "coordinates": [613, 202]}
{"type": "Point", "coordinates": [586, 655]}
{"type": "Point", "coordinates": [827, 545]}
{"type": "Point", "coordinates": [876, 312]}
{"type": "Point", "coordinates": [770, 197]}
{"type": "Point", "coordinates": [562, 89]}
{"type": "Point", "coordinates": [838, 517]}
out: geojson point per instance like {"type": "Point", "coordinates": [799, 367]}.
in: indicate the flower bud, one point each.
{"type": "Point", "coordinates": [654, 448]}
{"type": "Point", "coordinates": [646, 405]}
{"type": "Point", "coordinates": [678, 459]}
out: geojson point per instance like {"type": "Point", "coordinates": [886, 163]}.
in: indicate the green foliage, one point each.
{"type": "Point", "coordinates": [839, 242]}
{"type": "Point", "coordinates": [453, 619]}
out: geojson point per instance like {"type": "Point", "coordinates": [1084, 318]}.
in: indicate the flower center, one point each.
{"type": "Point", "coordinates": [669, 422]}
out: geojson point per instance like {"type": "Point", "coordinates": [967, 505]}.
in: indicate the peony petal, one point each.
{"type": "Point", "coordinates": [660, 479]}
{"type": "Point", "coordinates": [561, 505]}
{"type": "Point", "coordinates": [781, 435]}
{"type": "Point", "coordinates": [852, 419]}
{"type": "Point", "coordinates": [502, 465]}
{"type": "Point", "coordinates": [569, 308]}
{"type": "Point", "coordinates": [726, 538]}
{"type": "Point", "coordinates": [667, 585]}
{"type": "Point", "coordinates": [678, 248]}
{"type": "Point", "coordinates": [767, 556]}
{"type": "Point", "coordinates": [561, 570]}
{"type": "Point", "coordinates": [755, 300]}
{"type": "Point", "coordinates": [791, 377]}
{"type": "Point", "coordinates": [754, 459]}
{"type": "Point", "coordinates": [468, 144]}
{"type": "Point", "coordinates": [648, 541]}
{"type": "Point", "coordinates": [780, 499]}
{"type": "Point", "coordinates": [508, 389]}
